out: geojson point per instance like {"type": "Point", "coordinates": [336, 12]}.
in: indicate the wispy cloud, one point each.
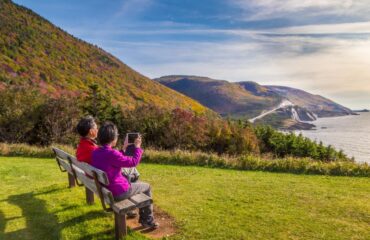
{"type": "Point", "coordinates": [129, 8]}
{"type": "Point", "coordinates": [266, 9]}
{"type": "Point", "coordinates": [339, 28]}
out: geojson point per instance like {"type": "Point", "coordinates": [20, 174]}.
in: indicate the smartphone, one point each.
{"type": "Point", "coordinates": [132, 136]}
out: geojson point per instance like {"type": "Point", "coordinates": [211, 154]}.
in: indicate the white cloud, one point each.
{"type": "Point", "coordinates": [265, 9]}
{"type": "Point", "coordinates": [296, 5]}
{"type": "Point", "coordinates": [347, 28]}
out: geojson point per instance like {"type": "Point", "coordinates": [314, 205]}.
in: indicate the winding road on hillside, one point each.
{"type": "Point", "coordinates": [284, 103]}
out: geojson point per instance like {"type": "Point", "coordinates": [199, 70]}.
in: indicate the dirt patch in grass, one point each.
{"type": "Point", "coordinates": [166, 227]}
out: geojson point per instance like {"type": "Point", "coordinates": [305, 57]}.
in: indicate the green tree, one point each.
{"type": "Point", "coordinates": [99, 104]}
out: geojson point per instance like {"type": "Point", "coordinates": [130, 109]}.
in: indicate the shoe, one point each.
{"type": "Point", "coordinates": [131, 214]}
{"type": "Point", "coordinates": [150, 224]}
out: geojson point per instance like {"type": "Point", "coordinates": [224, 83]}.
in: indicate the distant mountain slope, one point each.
{"type": "Point", "coordinates": [246, 99]}
{"type": "Point", "coordinates": [281, 107]}
{"type": "Point", "coordinates": [36, 54]}
{"type": "Point", "coordinates": [317, 104]}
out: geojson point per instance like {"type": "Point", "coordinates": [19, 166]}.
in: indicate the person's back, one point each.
{"type": "Point", "coordinates": [88, 130]}
{"type": "Point", "coordinates": [111, 161]}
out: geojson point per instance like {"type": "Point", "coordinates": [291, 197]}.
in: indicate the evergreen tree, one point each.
{"type": "Point", "coordinates": [99, 105]}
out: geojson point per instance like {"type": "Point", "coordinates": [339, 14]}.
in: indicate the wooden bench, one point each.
{"type": "Point", "coordinates": [95, 180]}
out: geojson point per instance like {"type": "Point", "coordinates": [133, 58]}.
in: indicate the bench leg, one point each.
{"type": "Point", "coordinates": [89, 196]}
{"type": "Point", "coordinates": [71, 180]}
{"type": "Point", "coordinates": [120, 226]}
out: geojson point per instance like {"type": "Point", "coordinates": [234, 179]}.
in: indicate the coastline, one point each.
{"type": "Point", "coordinates": [311, 125]}
{"type": "Point", "coordinates": [351, 133]}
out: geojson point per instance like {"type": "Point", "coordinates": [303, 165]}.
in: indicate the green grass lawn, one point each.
{"type": "Point", "coordinates": [35, 203]}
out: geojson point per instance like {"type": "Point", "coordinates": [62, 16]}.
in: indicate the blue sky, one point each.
{"type": "Point", "coordinates": [322, 46]}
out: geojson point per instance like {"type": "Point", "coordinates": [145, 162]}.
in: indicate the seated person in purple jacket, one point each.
{"type": "Point", "coordinates": [111, 161]}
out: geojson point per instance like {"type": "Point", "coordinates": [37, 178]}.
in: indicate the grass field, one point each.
{"type": "Point", "coordinates": [35, 203]}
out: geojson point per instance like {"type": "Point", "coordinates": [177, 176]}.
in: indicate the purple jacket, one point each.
{"type": "Point", "coordinates": [111, 161]}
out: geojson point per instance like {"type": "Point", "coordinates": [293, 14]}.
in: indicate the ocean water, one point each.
{"type": "Point", "coordinates": [349, 133]}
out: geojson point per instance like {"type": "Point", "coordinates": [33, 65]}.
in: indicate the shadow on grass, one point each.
{"type": "Point", "coordinates": [12, 235]}
{"type": "Point", "coordinates": [42, 224]}
{"type": "Point", "coordinates": [98, 235]}
{"type": "Point", "coordinates": [86, 217]}
{"type": "Point", "coordinates": [2, 223]}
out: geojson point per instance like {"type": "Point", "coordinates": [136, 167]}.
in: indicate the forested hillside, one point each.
{"type": "Point", "coordinates": [36, 54]}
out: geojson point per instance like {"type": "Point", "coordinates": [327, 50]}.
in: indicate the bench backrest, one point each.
{"type": "Point", "coordinates": [93, 178]}
{"type": "Point", "coordinates": [87, 168]}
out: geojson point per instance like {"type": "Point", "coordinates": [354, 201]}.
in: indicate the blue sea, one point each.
{"type": "Point", "coordinates": [349, 133]}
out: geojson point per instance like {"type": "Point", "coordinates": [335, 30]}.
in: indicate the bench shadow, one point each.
{"type": "Point", "coordinates": [2, 223]}
{"type": "Point", "coordinates": [40, 223]}
{"type": "Point", "coordinates": [97, 235]}
{"type": "Point", "coordinates": [11, 235]}
{"type": "Point", "coordinates": [86, 217]}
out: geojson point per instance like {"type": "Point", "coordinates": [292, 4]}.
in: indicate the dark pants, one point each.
{"type": "Point", "coordinates": [146, 213]}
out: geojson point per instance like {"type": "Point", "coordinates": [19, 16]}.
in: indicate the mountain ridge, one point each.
{"type": "Point", "coordinates": [251, 100]}
{"type": "Point", "coordinates": [231, 98]}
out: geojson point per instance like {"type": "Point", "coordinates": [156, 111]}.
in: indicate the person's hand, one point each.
{"type": "Point", "coordinates": [138, 142]}
{"type": "Point", "coordinates": [125, 143]}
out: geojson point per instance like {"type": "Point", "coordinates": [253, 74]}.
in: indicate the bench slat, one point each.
{"type": "Point", "coordinates": [65, 165]}
{"type": "Point", "coordinates": [141, 200]}
{"type": "Point", "coordinates": [108, 196]}
{"type": "Point", "coordinates": [102, 177]}
{"type": "Point", "coordinates": [123, 206]}
{"type": "Point", "coordinates": [90, 184]}
{"type": "Point", "coordinates": [61, 154]}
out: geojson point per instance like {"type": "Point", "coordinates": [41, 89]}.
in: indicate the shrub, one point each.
{"type": "Point", "coordinates": [186, 130]}
{"type": "Point", "coordinates": [19, 110]}
{"type": "Point", "coordinates": [57, 122]}
{"type": "Point", "coordinates": [29, 117]}
{"type": "Point", "coordinates": [256, 163]}
{"type": "Point", "coordinates": [283, 145]}
{"type": "Point", "coordinates": [25, 150]}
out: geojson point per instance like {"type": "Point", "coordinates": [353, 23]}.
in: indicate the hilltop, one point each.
{"type": "Point", "coordinates": [35, 54]}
